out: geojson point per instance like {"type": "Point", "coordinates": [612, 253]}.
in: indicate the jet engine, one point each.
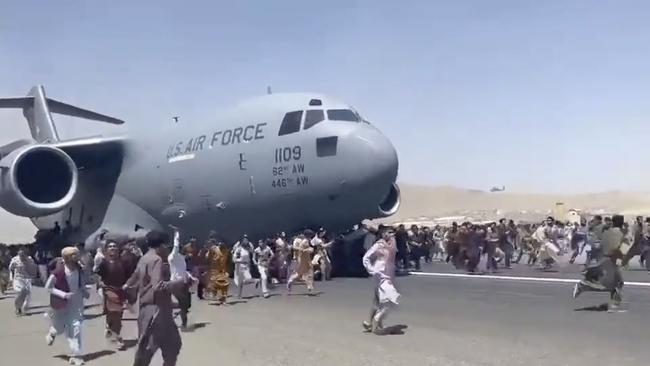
{"type": "Point", "coordinates": [391, 202]}
{"type": "Point", "coordinates": [37, 180]}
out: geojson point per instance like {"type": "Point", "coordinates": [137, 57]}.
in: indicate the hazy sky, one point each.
{"type": "Point", "coordinates": [534, 95]}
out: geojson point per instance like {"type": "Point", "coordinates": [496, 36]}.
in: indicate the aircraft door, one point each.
{"type": "Point", "coordinates": [176, 192]}
{"type": "Point", "coordinates": [176, 207]}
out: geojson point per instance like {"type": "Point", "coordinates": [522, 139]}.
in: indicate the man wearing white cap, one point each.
{"type": "Point", "coordinates": [241, 256]}
{"type": "Point", "coordinates": [67, 288]}
{"type": "Point", "coordinates": [262, 257]}
{"type": "Point", "coordinates": [379, 261]}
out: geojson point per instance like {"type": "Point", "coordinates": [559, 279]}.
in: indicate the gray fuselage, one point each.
{"type": "Point", "coordinates": [236, 174]}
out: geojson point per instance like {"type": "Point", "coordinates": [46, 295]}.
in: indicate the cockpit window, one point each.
{"type": "Point", "coordinates": [342, 115]}
{"type": "Point", "coordinates": [290, 123]}
{"type": "Point", "coordinates": [313, 116]}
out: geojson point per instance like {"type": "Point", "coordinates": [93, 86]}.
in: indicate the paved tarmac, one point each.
{"type": "Point", "coordinates": [635, 273]}
{"type": "Point", "coordinates": [451, 321]}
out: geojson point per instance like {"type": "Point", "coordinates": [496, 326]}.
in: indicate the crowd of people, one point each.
{"type": "Point", "coordinates": [146, 273]}
{"type": "Point", "coordinates": [468, 244]}
{"type": "Point", "coordinates": [609, 243]}
{"type": "Point", "coordinates": [143, 275]}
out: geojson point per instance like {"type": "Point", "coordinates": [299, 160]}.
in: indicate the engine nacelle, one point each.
{"type": "Point", "coordinates": [37, 180]}
{"type": "Point", "coordinates": [390, 205]}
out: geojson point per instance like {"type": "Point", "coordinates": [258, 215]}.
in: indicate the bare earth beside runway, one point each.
{"type": "Point", "coordinates": [451, 321]}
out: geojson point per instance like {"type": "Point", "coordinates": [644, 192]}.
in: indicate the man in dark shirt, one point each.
{"type": "Point", "coordinates": [401, 238]}
{"type": "Point", "coordinates": [415, 245]}
{"type": "Point", "coordinates": [638, 244]}
{"type": "Point", "coordinates": [504, 243]}
{"type": "Point", "coordinates": [596, 229]}
{"type": "Point", "coordinates": [452, 244]}
{"type": "Point", "coordinates": [156, 327]}
{"type": "Point", "coordinates": [606, 276]}
{"type": "Point", "coordinates": [473, 250]}
{"type": "Point", "coordinates": [5, 259]}
{"type": "Point", "coordinates": [462, 239]}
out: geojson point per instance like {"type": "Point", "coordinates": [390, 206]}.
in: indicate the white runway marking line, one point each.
{"type": "Point", "coordinates": [512, 278]}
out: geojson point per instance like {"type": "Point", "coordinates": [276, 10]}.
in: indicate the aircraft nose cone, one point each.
{"type": "Point", "coordinates": [377, 156]}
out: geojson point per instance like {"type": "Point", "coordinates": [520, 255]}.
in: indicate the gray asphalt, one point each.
{"type": "Point", "coordinates": [451, 321]}
{"type": "Point", "coordinates": [635, 273]}
{"type": "Point", "coordinates": [569, 271]}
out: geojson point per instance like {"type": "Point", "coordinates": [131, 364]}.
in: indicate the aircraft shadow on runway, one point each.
{"type": "Point", "coordinates": [88, 357]}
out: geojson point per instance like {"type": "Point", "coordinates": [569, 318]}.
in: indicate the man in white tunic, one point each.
{"type": "Point", "coordinates": [241, 256]}
{"type": "Point", "coordinates": [262, 258]}
{"type": "Point", "coordinates": [548, 249]}
{"type": "Point", "coordinates": [178, 272]}
{"type": "Point", "coordinates": [97, 262]}
{"type": "Point", "coordinates": [243, 242]}
{"type": "Point", "coordinates": [100, 244]}
{"type": "Point", "coordinates": [67, 288]}
{"type": "Point", "coordinates": [22, 270]}
{"type": "Point", "coordinates": [321, 258]}
{"type": "Point", "coordinates": [379, 261]}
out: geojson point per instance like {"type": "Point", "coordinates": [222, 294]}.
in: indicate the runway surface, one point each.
{"type": "Point", "coordinates": [451, 321]}
{"type": "Point", "coordinates": [636, 275]}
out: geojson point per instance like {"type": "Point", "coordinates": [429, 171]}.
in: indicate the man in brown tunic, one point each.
{"type": "Point", "coordinates": [156, 327]}
{"type": "Point", "coordinates": [113, 273]}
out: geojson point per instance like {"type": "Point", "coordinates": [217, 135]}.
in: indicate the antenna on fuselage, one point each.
{"type": "Point", "coordinates": [268, 90]}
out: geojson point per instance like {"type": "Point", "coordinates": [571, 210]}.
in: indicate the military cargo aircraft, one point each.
{"type": "Point", "coordinates": [279, 162]}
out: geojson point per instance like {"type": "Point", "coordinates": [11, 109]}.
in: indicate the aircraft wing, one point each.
{"type": "Point", "coordinates": [99, 161]}
{"type": "Point", "coordinates": [93, 152]}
